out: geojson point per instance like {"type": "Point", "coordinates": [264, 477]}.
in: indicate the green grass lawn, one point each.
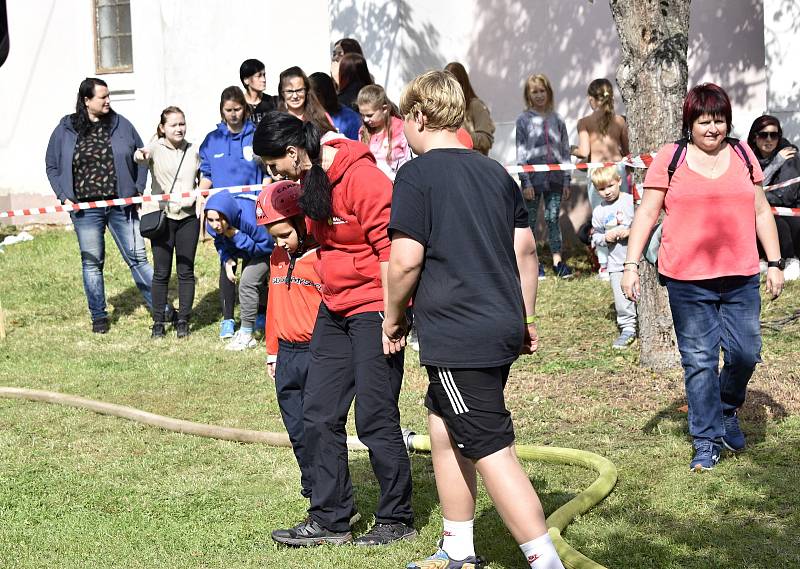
{"type": "Point", "coordinates": [83, 490]}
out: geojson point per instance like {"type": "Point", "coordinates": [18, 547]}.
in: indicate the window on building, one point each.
{"type": "Point", "coordinates": [112, 24]}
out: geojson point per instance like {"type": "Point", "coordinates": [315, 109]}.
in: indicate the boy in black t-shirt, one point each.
{"type": "Point", "coordinates": [462, 246]}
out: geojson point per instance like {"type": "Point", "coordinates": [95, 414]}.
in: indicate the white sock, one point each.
{"type": "Point", "coordinates": [457, 539]}
{"type": "Point", "coordinates": [541, 553]}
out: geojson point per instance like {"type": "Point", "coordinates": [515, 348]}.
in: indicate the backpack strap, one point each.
{"type": "Point", "coordinates": [677, 158]}
{"type": "Point", "coordinates": [736, 144]}
{"type": "Point", "coordinates": [680, 155]}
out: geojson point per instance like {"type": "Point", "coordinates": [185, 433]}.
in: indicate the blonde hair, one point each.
{"type": "Point", "coordinates": [375, 96]}
{"type": "Point", "coordinates": [604, 176]}
{"type": "Point", "coordinates": [539, 78]}
{"type": "Point", "coordinates": [438, 96]}
{"type": "Point", "coordinates": [602, 91]}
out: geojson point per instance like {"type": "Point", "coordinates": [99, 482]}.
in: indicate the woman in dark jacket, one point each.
{"type": "Point", "coordinates": [89, 158]}
{"type": "Point", "coordinates": [779, 161]}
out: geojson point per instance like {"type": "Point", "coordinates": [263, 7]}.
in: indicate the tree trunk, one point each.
{"type": "Point", "coordinates": [652, 77]}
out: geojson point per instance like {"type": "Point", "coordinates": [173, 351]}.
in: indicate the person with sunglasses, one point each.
{"type": "Point", "coordinates": [779, 160]}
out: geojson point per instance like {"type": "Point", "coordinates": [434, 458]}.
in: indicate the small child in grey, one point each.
{"type": "Point", "coordinates": [611, 222]}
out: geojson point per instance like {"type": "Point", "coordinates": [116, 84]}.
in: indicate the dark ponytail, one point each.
{"type": "Point", "coordinates": [274, 134]}
{"type": "Point", "coordinates": [316, 199]}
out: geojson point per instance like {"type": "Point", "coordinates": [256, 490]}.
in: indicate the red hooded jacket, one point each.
{"type": "Point", "coordinates": [354, 240]}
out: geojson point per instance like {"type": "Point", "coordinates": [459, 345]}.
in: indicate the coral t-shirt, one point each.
{"type": "Point", "coordinates": [709, 227]}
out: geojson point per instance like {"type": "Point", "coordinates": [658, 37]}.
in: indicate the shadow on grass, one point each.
{"type": "Point", "coordinates": [727, 537]}
{"type": "Point", "coordinates": [206, 311]}
{"type": "Point", "coordinates": [494, 542]}
{"type": "Point", "coordinates": [124, 303]}
{"type": "Point", "coordinates": [759, 408]}
{"type": "Point", "coordinates": [748, 500]}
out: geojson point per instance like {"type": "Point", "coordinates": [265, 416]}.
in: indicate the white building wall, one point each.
{"type": "Point", "coordinates": [186, 51]}
{"type": "Point", "coordinates": [501, 42]}
{"type": "Point", "coordinates": [782, 41]}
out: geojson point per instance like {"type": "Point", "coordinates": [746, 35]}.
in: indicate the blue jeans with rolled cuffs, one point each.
{"type": "Point", "coordinates": [710, 315]}
{"type": "Point", "coordinates": [90, 227]}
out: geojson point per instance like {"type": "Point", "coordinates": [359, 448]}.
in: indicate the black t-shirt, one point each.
{"type": "Point", "coordinates": [464, 208]}
{"type": "Point", "coordinates": [268, 103]}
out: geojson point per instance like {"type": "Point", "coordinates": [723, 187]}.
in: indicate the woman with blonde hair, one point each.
{"type": "Point", "coordinates": [602, 137]}
{"type": "Point", "coordinates": [542, 139]}
{"type": "Point", "coordinates": [478, 121]}
{"type": "Point", "coordinates": [383, 129]}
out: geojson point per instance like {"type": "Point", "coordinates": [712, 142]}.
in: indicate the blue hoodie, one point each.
{"type": "Point", "coordinates": [252, 241]}
{"type": "Point", "coordinates": [227, 158]}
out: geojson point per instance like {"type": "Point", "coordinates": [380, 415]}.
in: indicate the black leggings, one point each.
{"type": "Point", "coordinates": [788, 237]}
{"type": "Point", "coordinates": [181, 238]}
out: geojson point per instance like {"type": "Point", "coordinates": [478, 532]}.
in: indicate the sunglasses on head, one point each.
{"type": "Point", "coordinates": [767, 135]}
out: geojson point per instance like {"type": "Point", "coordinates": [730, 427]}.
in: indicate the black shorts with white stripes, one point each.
{"type": "Point", "coordinates": [471, 403]}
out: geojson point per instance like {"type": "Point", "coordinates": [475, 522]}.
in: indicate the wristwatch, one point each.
{"type": "Point", "coordinates": [780, 263]}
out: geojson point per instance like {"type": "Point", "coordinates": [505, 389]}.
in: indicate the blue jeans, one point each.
{"type": "Point", "coordinates": [552, 209]}
{"type": "Point", "coordinates": [90, 227]}
{"type": "Point", "coordinates": [709, 315]}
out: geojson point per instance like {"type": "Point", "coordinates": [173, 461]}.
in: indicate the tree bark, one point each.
{"type": "Point", "coordinates": [652, 77]}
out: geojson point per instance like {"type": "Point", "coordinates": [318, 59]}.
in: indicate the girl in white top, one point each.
{"type": "Point", "coordinates": [174, 167]}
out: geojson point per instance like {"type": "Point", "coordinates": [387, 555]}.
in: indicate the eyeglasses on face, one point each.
{"type": "Point", "coordinates": [766, 135]}
{"type": "Point", "coordinates": [293, 92]}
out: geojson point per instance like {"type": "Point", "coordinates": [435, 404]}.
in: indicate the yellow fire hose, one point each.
{"type": "Point", "coordinates": [556, 522]}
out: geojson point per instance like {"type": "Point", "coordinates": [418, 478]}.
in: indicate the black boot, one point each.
{"type": "Point", "coordinates": [158, 330]}
{"type": "Point", "coordinates": [182, 328]}
{"type": "Point", "coordinates": [100, 326]}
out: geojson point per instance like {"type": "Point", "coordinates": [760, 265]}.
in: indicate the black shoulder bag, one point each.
{"type": "Point", "coordinates": [152, 225]}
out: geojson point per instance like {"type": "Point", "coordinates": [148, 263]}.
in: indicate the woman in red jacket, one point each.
{"type": "Point", "coordinates": [346, 199]}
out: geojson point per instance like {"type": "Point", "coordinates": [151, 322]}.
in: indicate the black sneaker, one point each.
{"type": "Point", "coordinates": [182, 328]}
{"type": "Point", "coordinates": [384, 534]}
{"type": "Point", "coordinates": [100, 326]}
{"type": "Point", "coordinates": [158, 330]}
{"type": "Point", "coordinates": [309, 533]}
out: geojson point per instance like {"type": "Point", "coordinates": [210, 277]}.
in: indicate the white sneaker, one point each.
{"type": "Point", "coordinates": [792, 270]}
{"type": "Point", "coordinates": [241, 341]}
{"type": "Point", "coordinates": [603, 275]}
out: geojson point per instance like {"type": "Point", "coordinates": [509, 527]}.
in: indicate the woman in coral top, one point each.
{"type": "Point", "coordinates": [714, 210]}
{"type": "Point", "coordinates": [346, 201]}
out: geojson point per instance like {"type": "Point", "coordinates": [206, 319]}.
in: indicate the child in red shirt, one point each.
{"type": "Point", "coordinates": [292, 305]}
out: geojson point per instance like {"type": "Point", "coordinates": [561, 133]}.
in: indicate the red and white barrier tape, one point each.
{"type": "Point", "coordinates": [641, 161]}
{"type": "Point", "coordinates": [786, 211]}
{"type": "Point", "coordinates": [781, 184]}
{"type": "Point", "coordinates": [122, 201]}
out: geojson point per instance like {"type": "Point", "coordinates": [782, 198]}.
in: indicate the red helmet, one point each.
{"type": "Point", "coordinates": [278, 201]}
